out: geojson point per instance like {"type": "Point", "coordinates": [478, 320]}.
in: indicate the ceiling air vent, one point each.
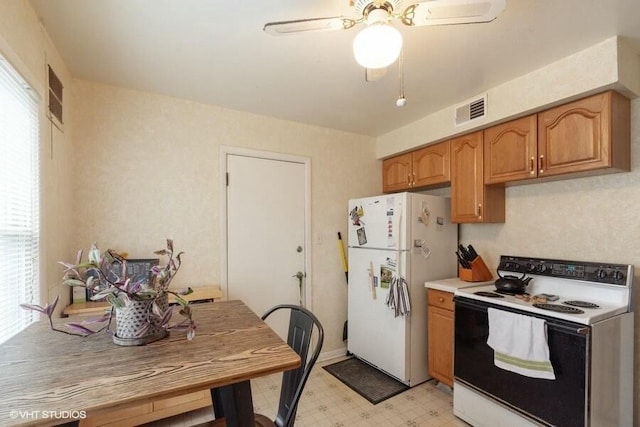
{"type": "Point", "coordinates": [471, 110]}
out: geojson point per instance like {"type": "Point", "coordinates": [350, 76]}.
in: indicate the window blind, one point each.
{"type": "Point", "coordinates": [19, 201]}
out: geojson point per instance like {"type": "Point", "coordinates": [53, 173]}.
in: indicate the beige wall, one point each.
{"type": "Point", "coordinates": [166, 151]}
{"type": "Point", "coordinates": [608, 64]}
{"type": "Point", "coordinates": [27, 47]}
{"type": "Point", "coordinates": [126, 140]}
{"type": "Point", "coordinates": [591, 219]}
{"type": "Point", "coordinates": [147, 167]}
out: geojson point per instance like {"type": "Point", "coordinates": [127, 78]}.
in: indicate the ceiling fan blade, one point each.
{"type": "Point", "coordinates": [307, 25]}
{"type": "Point", "coordinates": [449, 12]}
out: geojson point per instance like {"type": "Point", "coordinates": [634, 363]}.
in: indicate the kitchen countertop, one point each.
{"type": "Point", "coordinates": [453, 284]}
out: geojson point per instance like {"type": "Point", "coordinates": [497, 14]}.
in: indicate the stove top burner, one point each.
{"type": "Point", "coordinates": [582, 304]}
{"type": "Point", "coordinates": [550, 297]}
{"type": "Point", "coordinates": [488, 294]}
{"type": "Point", "coordinates": [499, 291]}
{"type": "Point", "coordinates": [559, 308]}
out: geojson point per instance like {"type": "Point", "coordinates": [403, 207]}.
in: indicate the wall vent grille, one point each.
{"type": "Point", "coordinates": [55, 99]}
{"type": "Point", "coordinates": [471, 110]}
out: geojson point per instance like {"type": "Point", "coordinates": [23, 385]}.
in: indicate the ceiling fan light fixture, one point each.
{"type": "Point", "coordinates": [377, 46]}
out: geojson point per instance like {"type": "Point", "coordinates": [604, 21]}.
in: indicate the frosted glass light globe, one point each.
{"type": "Point", "coordinates": [377, 46]}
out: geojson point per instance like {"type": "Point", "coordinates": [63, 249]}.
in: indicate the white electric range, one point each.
{"type": "Point", "coordinates": [589, 323]}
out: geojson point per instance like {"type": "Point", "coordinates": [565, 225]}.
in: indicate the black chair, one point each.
{"type": "Point", "coordinates": [301, 326]}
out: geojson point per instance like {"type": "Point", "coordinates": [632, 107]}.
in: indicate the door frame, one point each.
{"type": "Point", "coordinates": [225, 151]}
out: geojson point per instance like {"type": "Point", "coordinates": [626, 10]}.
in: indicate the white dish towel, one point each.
{"type": "Point", "coordinates": [398, 297]}
{"type": "Point", "coordinates": [520, 344]}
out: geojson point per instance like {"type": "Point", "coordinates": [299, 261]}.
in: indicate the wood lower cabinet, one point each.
{"type": "Point", "coordinates": [586, 135]}
{"type": "Point", "coordinates": [440, 332]}
{"type": "Point", "coordinates": [472, 200]}
{"type": "Point", "coordinates": [425, 167]}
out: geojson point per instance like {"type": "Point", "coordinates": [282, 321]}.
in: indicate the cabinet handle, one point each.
{"type": "Point", "coordinates": [532, 166]}
{"type": "Point", "coordinates": [409, 180]}
{"type": "Point", "coordinates": [414, 179]}
{"type": "Point", "coordinates": [440, 299]}
{"type": "Point", "coordinates": [479, 211]}
{"type": "Point", "coordinates": [541, 164]}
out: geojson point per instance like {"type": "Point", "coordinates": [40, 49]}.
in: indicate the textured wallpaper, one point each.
{"type": "Point", "coordinates": [587, 219]}
{"type": "Point", "coordinates": [132, 168]}
{"type": "Point", "coordinates": [147, 167]}
{"type": "Point", "coordinates": [591, 219]}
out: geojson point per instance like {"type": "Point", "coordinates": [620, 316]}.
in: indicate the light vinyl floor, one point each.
{"type": "Point", "coordinates": [328, 402]}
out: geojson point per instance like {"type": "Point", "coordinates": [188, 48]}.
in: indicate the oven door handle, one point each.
{"type": "Point", "coordinates": [481, 306]}
{"type": "Point", "coordinates": [585, 331]}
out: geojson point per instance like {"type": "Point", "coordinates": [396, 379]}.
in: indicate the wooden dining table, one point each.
{"type": "Point", "coordinates": [50, 378]}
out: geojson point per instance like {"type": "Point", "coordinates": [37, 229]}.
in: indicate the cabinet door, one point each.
{"type": "Point", "coordinates": [467, 178]}
{"type": "Point", "coordinates": [510, 151]}
{"type": "Point", "coordinates": [576, 137]}
{"type": "Point", "coordinates": [440, 344]}
{"type": "Point", "coordinates": [471, 200]}
{"type": "Point", "coordinates": [431, 165]}
{"type": "Point", "coordinates": [396, 173]}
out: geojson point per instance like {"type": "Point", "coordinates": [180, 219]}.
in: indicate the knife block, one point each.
{"type": "Point", "coordinates": [479, 272]}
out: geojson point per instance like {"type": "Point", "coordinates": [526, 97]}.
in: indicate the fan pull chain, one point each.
{"type": "Point", "coordinates": [401, 101]}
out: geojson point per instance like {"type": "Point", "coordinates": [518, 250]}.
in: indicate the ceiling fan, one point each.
{"type": "Point", "coordinates": [379, 44]}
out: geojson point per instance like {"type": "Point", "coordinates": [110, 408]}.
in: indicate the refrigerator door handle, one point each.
{"type": "Point", "coordinates": [372, 279]}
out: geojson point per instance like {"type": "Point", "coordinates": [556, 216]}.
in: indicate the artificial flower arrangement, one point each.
{"type": "Point", "coordinates": [121, 292]}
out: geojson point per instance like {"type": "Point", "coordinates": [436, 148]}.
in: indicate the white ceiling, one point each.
{"type": "Point", "coordinates": [215, 52]}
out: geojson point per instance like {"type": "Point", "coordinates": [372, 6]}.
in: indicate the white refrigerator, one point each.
{"type": "Point", "coordinates": [397, 236]}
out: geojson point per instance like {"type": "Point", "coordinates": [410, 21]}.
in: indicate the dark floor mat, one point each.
{"type": "Point", "coordinates": [367, 381]}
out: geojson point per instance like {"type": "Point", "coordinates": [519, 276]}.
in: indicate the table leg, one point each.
{"type": "Point", "coordinates": [234, 403]}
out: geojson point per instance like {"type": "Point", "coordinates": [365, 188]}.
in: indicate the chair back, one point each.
{"type": "Point", "coordinates": [301, 325]}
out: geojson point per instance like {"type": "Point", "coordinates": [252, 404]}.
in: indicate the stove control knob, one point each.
{"type": "Point", "coordinates": [511, 266]}
{"type": "Point", "coordinates": [601, 273]}
{"type": "Point", "coordinates": [531, 267]}
{"type": "Point", "coordinates": [618, 275]}
{"type": "Point", "coordinates": [542, 268]}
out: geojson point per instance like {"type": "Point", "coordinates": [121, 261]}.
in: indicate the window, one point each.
{"type": "Point", "coordinates": [19, 201]}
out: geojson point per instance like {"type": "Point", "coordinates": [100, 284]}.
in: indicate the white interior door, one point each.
{"type": "Point", "coordinates": [266, 226]}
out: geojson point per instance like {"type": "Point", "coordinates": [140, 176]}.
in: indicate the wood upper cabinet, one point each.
{"type": "Point", "coordinates": [589, 134]}
{"type": "Point", "coordinates": [396, 173]}
{"type": "Point", "coordinates": [510, 151]}
{"type": "Point", "coordinates": [431, 165]}
{"type": "Point", "coordinates": [425, 167]}
{"type": "Point", "coordinates": [472, 200]}
{"type": "Point", "coordinates": [440, 330]}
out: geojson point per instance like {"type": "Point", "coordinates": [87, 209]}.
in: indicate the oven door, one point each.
{"type": "Point", "coordinates": [561, 402]}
